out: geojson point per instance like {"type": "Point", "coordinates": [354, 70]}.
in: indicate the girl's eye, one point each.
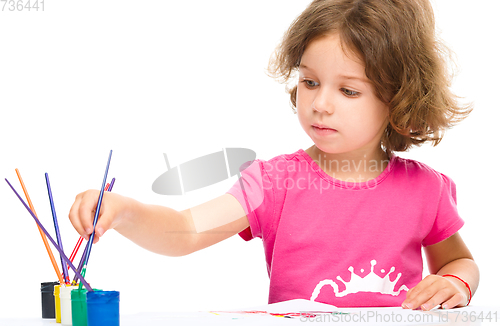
{"type": "Point", "coordinates": [349, 93]}
{"type": "Point", "coordinates": [310, 83]}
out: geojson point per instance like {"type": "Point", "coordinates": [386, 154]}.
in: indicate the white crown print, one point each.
{"type": "Point", "coordinates": [370, 283]}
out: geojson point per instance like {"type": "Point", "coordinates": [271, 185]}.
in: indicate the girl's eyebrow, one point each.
{"type": "Point", "coordinates": [362, 79]}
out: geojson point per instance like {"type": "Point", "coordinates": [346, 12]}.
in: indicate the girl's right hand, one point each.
{"type": "Point", "coordinates": [81, 215]}
{"type": "Point", "coordinates": [157, 228]}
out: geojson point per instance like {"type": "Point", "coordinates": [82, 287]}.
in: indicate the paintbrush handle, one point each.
{"type": "Point", "coordinates": [75, 250]}
{"type": "Point", "coordinates": [44, 238]}
{"type": "Point", "coordinates": [56, 227]}
{"type": "Point", "coordinates": [109, 187]}
{"type": "Point", "coordinates": [82, 260]}
{"type": "Point", "coordinates": [82, 280]}
{"type": "Point", "coordinates": [98, 209]}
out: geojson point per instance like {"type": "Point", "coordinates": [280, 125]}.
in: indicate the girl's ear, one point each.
{"type": "Point", "coordinates": [386, 111]}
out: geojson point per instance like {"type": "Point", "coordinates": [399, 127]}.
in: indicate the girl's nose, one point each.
{"type": "Point", "coordinates": [323, 103]}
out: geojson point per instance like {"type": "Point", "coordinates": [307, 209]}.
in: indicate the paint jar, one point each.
{"type": "Point", "coordinates": [79, 307]}
{"type": "Point", "coordinates": [103, 308]}
{"type": "Point", "coordinates": [65, 295]}
{"type": "Point", "coordinates": [48, 302]}
{"type": "Point", "coordinates": [57, 299]}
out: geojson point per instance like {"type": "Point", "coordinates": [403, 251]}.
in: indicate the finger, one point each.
{"type": "Point", "coordinates": [105, 217]}
{"type": "Point", "coordinates": [87, 211]}
{"type": "Point", "coordinates": [414, 292]}
{"type": "Point", "coordinates": [422, 293]}
{"type": "Point", "coordinates": [424, 296]}
{"type": "Point", "coordinates": [408, 296]}
{"type": "Point", "coordinates": [457, 300]}
{"type": "Point", "coordinates": [438, 298]}
{"type": "Point", "coordinates": [411, 292]}
{"type": "Point", "coordinates": [74, 217]}
{"type": "Point", "coordinates": [102, 226]}
{"type": "Point", "coordinates": [425, 283]}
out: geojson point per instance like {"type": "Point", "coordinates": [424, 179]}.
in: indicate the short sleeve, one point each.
{"type": "Point", "coordinates": [447, 221]}
{"type": "Point", "coordinates": [254, 192]}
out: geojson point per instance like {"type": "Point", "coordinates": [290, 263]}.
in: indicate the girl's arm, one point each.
{"type": "Point", "coordinates": [450, 256]}
{"type": "Point", "coordinates": [157, 228]}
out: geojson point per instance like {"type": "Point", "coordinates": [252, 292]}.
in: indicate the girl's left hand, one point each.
{"type": "Point", "coordinates": [436, 290]}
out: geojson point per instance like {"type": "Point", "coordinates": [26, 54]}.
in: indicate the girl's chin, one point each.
{"type": "Point", "coordinates": [322, 148]}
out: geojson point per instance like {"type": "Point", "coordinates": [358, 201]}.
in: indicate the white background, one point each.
{"type": "Point", "coordinates": [187, 78]}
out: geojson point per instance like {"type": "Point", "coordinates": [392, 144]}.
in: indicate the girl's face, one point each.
{"type": "Point", "coordinates": [336, 104]}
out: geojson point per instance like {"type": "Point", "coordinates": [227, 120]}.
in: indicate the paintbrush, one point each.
{"type": "Point", "coordinates": [44, 238]}
{"type": "Point", "coordinates": [98, 209]}
{"type": "Point", "coordinates": [63, 256]}
{"type": "Point", "coordinates": [56, 227]}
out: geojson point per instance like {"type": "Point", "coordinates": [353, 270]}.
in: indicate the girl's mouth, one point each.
{"type": "Point", "coordinates": [323, 131]}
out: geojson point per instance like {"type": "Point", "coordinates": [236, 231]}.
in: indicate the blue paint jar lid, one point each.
{"type": "Point", "coordinates": [102, 296]}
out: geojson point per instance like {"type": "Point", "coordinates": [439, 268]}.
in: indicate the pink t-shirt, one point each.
{"type": "Point", "coordinates": [345, 243]}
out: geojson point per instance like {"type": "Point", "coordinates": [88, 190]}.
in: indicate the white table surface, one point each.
{"type": "Point", "coordinates": [353, 316]}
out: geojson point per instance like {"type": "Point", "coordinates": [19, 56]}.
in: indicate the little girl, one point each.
{"type": "Point", "coordinates": [344, 221]}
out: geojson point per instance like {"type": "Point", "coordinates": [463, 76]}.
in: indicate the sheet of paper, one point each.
{"type": "Point", "coordinates": [296, 305]}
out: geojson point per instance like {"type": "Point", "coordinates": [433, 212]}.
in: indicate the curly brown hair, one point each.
{"type": "Point", "coordinates": [404, 60]}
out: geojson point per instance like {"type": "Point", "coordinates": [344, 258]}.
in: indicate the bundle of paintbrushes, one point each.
{"type": "Point", "coordinates": [67, 301]}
